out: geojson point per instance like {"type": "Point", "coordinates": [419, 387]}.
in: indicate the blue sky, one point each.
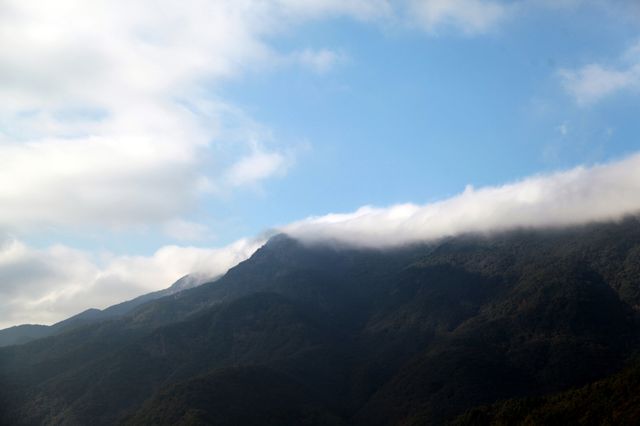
{"type": "Point", "coordinates": [415, 117]}
{"type": "Point", "coordinates": [189, 128]}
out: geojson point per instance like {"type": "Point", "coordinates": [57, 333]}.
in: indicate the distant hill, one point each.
{"type": "Point", "coordinates": [323, 334]}
{"type": "Point", "coordinates": [25, 333]}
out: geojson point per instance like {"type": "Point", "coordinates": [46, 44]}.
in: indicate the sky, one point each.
{"type": "Point", "coordinates": [141, 141]}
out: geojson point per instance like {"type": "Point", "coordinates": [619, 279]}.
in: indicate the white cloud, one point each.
{"type": "Point", "coordinates": [109, 115]}
{"type": "Point", "coordinates": [48, 285]}
{"type": "Point", "coordinates": [468, 16]}
{"type": "Point", "coordinates": [594, 82]}
{"type": "Point", "coordinates": [256, 167]}
{"type": "Point", "coordinates": [578, 196]}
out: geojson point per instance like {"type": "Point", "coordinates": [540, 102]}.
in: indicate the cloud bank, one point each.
{"type": "Point", "coordinates": [574, 197]}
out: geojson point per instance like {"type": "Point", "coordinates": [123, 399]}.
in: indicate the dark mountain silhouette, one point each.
{"type": "Point", "coordinates": [25, 333]}
{"type": "Point", "coordinates": [324, 334]}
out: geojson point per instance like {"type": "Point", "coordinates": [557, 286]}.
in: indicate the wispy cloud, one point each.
{"type": "Point", "coordinates": [595, 82]}
{"type": "Point", "coordinates": [467, 16]}
{"type": "Point", "coordinates": [320, 61]}
{"type": "Point", "coordinates": [256, 167]}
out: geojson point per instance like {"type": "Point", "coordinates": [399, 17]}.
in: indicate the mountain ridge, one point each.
{"type": "Point", "coordinates": [25, 333]}
{"type": "Point", "coordinates": [415, 335]}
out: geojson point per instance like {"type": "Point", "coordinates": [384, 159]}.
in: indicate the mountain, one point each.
{"type": "Point", "coordinates": [326, 334]}
{"type": "Point", "coordinates": [25, 333]}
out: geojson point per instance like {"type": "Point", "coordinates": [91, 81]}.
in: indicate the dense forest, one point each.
{"type": "Point", "coordinates": [611, 401]}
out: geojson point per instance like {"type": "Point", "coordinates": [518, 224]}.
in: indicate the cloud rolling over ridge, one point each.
{"type": "Point", "coordinates": [47, 285]}
{"type": "Point", "coordinates": [577, 196]}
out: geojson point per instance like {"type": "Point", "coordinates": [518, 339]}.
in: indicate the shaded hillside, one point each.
{"type": "Point", "coordinates": [416, 335]}
{"type": "Point", "coordinates": [221, 398]}
{"type": "Point", "coordinates": [611, 401]}
{"type": "Point", "coordinates": [550, 332]}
